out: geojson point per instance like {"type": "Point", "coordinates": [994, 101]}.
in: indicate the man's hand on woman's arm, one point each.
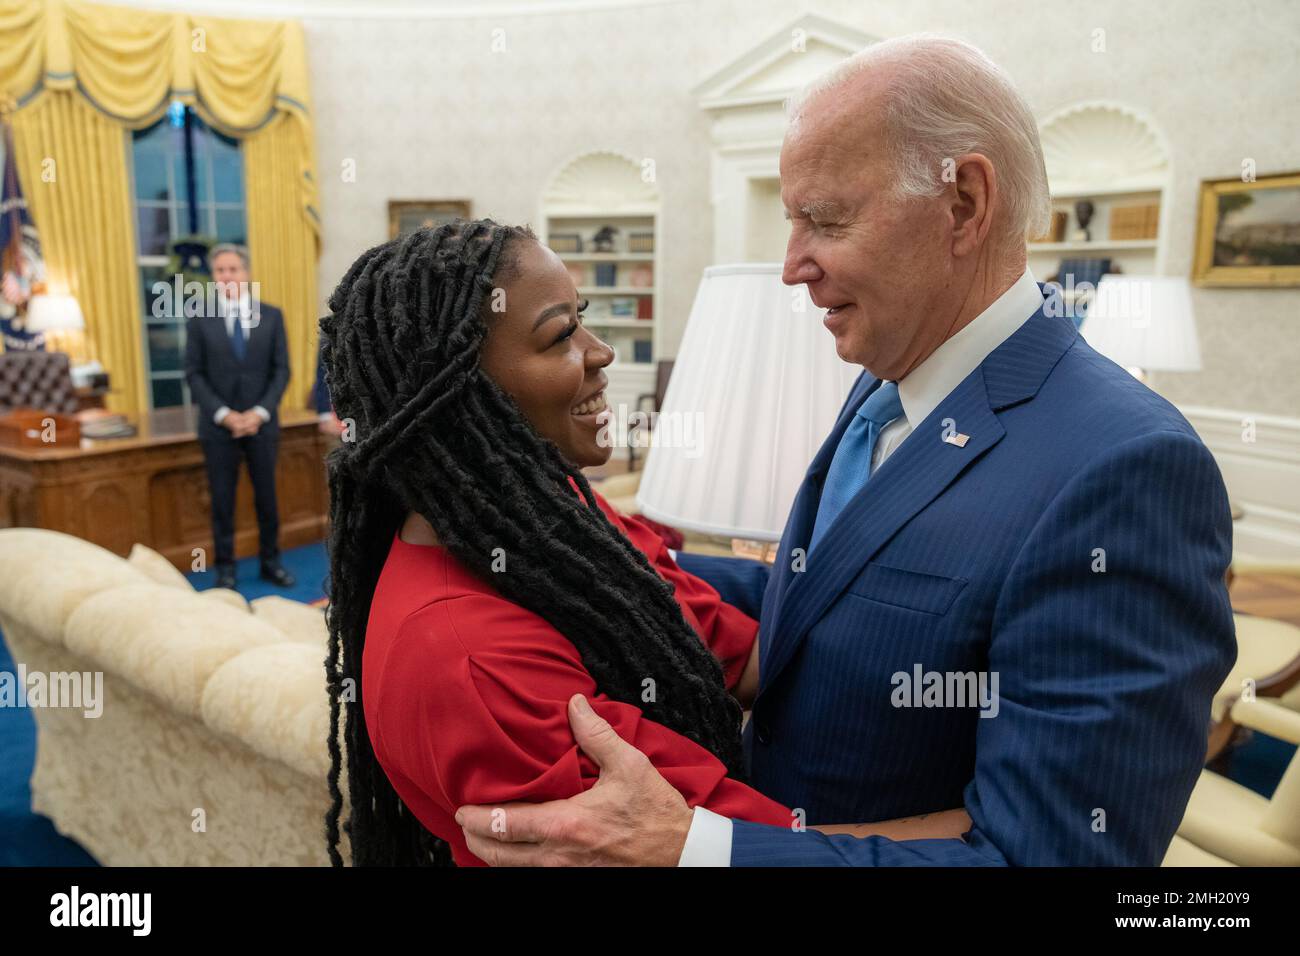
{"type": "Point", "coordinates": [632, 816]}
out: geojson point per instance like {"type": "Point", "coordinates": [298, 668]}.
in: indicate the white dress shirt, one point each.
{"type": "Point", "coordinates": [245, 308]}
{"type": "Point", "coordinates": [708, 842]}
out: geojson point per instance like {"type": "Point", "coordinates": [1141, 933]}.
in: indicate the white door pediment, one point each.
{"type": "Point", "coordinates": [781, 64]}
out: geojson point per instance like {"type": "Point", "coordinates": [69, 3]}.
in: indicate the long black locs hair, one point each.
{"type": "Point", "coordinates": [432, 433]}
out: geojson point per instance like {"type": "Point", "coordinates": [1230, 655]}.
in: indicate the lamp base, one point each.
{"type": "Point", "coordinates": [764, 551]}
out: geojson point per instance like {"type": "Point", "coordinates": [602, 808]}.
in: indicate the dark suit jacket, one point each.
{"type": "Point", "coordinates": [217, 378]}
{"type": "Point", "coordinates": [986, 558]}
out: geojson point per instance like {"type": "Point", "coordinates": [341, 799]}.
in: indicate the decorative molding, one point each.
{"type": "Point", "coordinates": [1262, 476]}
{"type": "Point", "coordinates": [1104, 143]}
{"type": "Point", "coordinates": [600, 180]}
{"type": "Point", "coordinates": [770, 71]}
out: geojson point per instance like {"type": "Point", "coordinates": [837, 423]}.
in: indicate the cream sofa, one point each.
{"type": "Point", "coordinates": [211, 746]}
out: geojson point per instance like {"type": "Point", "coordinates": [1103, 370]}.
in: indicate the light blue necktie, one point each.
{"type": "Point", "coordinates": [851, 466]}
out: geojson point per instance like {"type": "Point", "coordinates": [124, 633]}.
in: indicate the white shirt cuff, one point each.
{"type": "Point", "coordinates": [708, 842]}
{"type": "Point", "coordinates": [672, 554]}
{"type": "Point", "coordinates": [262, 413]}
{"type": "Point", "coordinates": [220, 413]}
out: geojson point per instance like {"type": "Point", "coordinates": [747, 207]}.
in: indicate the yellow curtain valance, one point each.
{"type": "Point", "coordinates": [73, 71]}
{"type": "Point", "coordinates": [131, 63]}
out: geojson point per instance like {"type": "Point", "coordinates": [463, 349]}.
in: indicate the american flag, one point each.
{"type": "Point", "coordinates": [20, 259]}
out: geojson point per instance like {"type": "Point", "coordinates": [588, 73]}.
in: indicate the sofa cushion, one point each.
{"type": "Point", "coordinates": [297, 621]}
{"type": "Point", "coordinates": [226, 596]}
{"type": "Point", "coordinates": [159, 569]}
{"type": "Point", "coordinates": [165, 641]}
{"type": "Point", "coordinates": [273, 698]}
{"type": "Point", "coordinates": [45, 575]}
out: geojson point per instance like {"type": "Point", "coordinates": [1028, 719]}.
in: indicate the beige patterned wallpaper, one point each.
{"type": "Point", "coordinates": [489, 108]}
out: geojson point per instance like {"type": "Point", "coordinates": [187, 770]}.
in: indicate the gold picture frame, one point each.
{"type": "Point", "coordinates": [407, 215]}
{"type": "Point", "coordinates": [1260, 244]}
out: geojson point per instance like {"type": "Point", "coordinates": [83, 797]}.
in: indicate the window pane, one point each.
{"type": "Point", "coordinates": [153, 139]}
{"type": "Point", "coordinates": [167, 392]}
{"type": "Point", "coordinates": [164, 347]}
{"type": "Point", "coordinates": [149, 275]}
{"type": "Point", "coordinates": [153, 230]}
{"type": "Point", "coordinates": [230, 226]}
{"type": "Point", "coordinates": [227, 171]}
{"type": "Point", "coordinates": [164, 204]}
{"type": "Point", "coordinates": [151, 175]}
{"type": "Point", "coordinates": [150, 150]}
{"type": "Point", "coordinates": [200, 181]}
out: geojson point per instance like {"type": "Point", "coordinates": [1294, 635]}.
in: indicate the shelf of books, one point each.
{"type": "Point", "coordinates": [613, 260]}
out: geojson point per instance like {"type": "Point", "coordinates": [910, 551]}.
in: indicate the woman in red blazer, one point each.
{"type": "Point", "coordinates": [477, 582]}
{"type": "Point", "coordinates": [465, 692]}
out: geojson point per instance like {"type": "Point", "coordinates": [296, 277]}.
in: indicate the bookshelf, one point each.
{"type": "Point", "coordinates": [619, 285]}
{"type": "Point", "coordinates": [1112, 156]}
{"type": "Point", "coordinates": [602, 219]}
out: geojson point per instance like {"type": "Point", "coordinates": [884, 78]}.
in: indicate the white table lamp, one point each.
{"type": "Point", "coordinates": [1144, 323]}
{"type": "Point", "coordinates": [754, 392]}
{"type": "Point", "coordinates": [54, 313]}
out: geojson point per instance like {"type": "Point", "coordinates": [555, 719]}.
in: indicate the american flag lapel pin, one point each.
{"type": "Point", "coordinates": [957, 439]}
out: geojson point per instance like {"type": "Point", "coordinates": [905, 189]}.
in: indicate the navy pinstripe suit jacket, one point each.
{"type": "Point", "coordinates": [1075, 546]}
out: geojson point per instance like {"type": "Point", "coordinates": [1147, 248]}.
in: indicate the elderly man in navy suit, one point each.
{"type": "Point", "coordinates": [1001, 585]}
{"type": "Point", "coordinates": [237, 366]}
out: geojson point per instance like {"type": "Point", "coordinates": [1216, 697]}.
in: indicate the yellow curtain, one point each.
{"type": "Point", "coordinates": [72, 162]}
{"type": "Point", "coordinates": [246, 78]}
{"type": "Point", "coordinates": [283, 241]}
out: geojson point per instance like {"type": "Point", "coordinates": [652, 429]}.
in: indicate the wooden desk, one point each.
{"type": "Point", "coordinates": [153, 488]}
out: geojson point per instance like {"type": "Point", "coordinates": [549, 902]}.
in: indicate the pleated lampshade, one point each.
{"type": "Point", "coordinates": [754, 392]}
{"type": "Point", "coordinates": [1144, 322]}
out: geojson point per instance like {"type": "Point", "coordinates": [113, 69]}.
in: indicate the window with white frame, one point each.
{"type": "Point", "coordinates": [188, 180]}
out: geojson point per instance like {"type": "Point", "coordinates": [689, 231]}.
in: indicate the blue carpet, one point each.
{"type": "Point", "coordinates": [1260, 762]}
{"type": "Point", "coordinates": [27, 839]}
{"type": "Point", "coordinates": [309, 564]}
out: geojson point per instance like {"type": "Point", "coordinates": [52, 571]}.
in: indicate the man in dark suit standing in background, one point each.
{"type": "Point", "coordinates": [237, 366]}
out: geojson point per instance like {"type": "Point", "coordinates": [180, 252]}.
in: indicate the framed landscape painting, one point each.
{"type": "Point", "coordinates": [407, 215]}
{"type": "Point", "coordinates": [1249, 232]}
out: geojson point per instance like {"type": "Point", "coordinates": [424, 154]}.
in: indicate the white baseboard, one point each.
{"type": "Point", "coordinates": [1263, 476]}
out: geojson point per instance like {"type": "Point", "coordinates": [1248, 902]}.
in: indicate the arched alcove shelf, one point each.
{"type": "Point", "coordinates": [601, 182]}
{"type": "Point", "coordinates": [1115, 157]}
{"type": "Point", "coordinates": [605, 194]}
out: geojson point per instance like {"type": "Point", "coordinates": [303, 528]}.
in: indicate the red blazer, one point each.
{"type": "Point", "coordinates": [466, 693]}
